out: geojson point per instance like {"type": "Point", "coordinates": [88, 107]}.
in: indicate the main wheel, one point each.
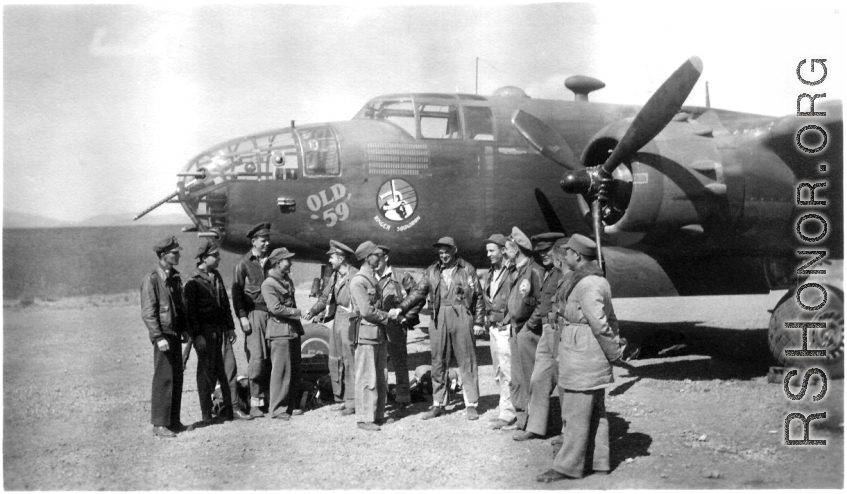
{"type": "Point", "coordinates": [314, 349]}
{"type": "Point", "coordinates": [830, 338]}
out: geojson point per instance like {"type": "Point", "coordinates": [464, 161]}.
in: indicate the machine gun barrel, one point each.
{"type": "Point", "coordinates": [157, 204]}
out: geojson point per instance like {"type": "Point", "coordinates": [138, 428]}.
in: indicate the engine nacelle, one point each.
{"type": "Point", "coordinates": [679, 182]}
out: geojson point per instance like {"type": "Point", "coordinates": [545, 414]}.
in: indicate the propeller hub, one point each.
{"type": "Point", "coordinates": [577, 182]}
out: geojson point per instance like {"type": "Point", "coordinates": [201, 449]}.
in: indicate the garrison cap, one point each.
{"type": "Point", "coordinates": [544, 241]}
{"type": "Point", "coordinates": [278, 255]}
{"type": "Point", "coordinates": [384, 249]}
{"type": "Point", "coordinates": [561, 243]}
{"type": "Point", "coordinates": [583, 245]}
{"type": "Point", "coordinates": [167, 244]}
{"type": "Point", "coordinates": [336, 247]}
{"type": "Point", "coordinates": [519, 238]}
{"type": "Point", "coordinates": [446, 242]}
{"type": "Point", "coordinates": [496, 238]}
{"type": "Point", "coordinates": [365, 249]}
{"type": "Point", "coordinates": [260, 230]}
{"type": "Point", "coordinates": [207, 248]}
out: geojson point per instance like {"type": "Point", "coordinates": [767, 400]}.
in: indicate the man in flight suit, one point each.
{"type": "Point", "coordinates": [249, 273]}
{"type": "Point", "coordinates": [163, 313]}
{"type": "Point", "coordinates": [371, 344]}
{"type": "Point", "coordinates": [496, 285]}
{"type": "Point", "coordinates": [542, 378]}
{"type": "Point", "coordinates": [209, 323]}
{"type": "Point", "coordinates": [394, 285]}
{"type": "Point", "coordinates": [335, 301]}
{"type": "Point", "coordinates": [455, 296]}
{"type": "Point", "coordinates": [525, 330]}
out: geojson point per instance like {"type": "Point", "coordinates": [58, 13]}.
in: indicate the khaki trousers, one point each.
{"type": "Point", "coordinates": [371, 382]}
{"type": "Point", "coordinates": [285, 375]}
{"type": "Point", "coordinates": [586, 435]}
{"type": "Point", "coordinates": [501, 360]}
{"type": "Point", "coordinates": [342, 362]}
{"type": "Point", "coordinates": [545, 375]}
{"type": "Point", "coordinates": [523, 346]}
{"type": "Point", "coordinates": [258, 354]}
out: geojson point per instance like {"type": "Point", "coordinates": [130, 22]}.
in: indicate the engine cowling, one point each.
{"type": "Point", "coordinates": [677, 182]}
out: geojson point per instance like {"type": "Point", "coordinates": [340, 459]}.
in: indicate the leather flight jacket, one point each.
{"type": "Point", "coordinates": [429, 288]}
{"type": "Point", "coordinates": [162, 308]}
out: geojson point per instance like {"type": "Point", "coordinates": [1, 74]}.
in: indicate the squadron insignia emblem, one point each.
{"type": "Point", "coordinates": [397, 200]}
{"type": "Point", "coordinates": [524, 287]}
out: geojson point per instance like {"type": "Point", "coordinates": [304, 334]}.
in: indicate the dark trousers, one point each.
{"type": "Point", "coordinates": [285, 375]}
{"type": "Point", "coordinates": [342, 362]}
{"type": "Point", "coordinates": [230, 368]}
{"type": "Point", "coordinates": [545, 375]}
{"type": "Point", "coordinates": [453, 334]}
{"type": "Point", "coordinates": [398, 357]}
{"type": "Point", "coordinates": [586, 436]}
{"type": "Point", "coordinates": [166, 397]}
{"type": "Point", "coordinates": [256, 349]}
{"type": "Point", "coordinates": [210, 371]}
{"type": "Point", "coordinates": [523, 346]}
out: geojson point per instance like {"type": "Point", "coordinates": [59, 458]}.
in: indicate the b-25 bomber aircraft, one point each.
{"type": "Point", "coordinates": [685, 200]}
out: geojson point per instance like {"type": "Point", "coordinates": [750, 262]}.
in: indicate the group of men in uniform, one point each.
{"type": "Point", "coordinates": [549, 324]}
{"type": "Point", "coordinates": [552, 325]}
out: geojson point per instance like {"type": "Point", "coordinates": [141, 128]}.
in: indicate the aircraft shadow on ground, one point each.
{"type": "Point", "coordinates": [735, 354]}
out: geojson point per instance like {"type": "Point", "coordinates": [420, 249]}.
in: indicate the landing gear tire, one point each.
{"type": "Point", "coordinates": [830, 338]}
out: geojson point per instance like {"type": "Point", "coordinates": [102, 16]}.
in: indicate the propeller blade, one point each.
{"type": "Point", "coordinates": [549, 212]}
{"type": "Point", "coordinates": [597, 220]}
{"type": "Point", "coordinates": [657, 112]}
{"type": "Point", "coordinates": [545, 139]}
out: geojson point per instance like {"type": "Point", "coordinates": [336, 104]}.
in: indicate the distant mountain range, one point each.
{"type": "Point", "coordinates": [17, 219]}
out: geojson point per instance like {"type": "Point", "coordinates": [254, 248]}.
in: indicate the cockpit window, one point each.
{"type": "Point", "coordinates": [434, 116]}
{"type": "Point", "coordinates": [399, 112]}
{"type": "Point", "coordinates": [478, 123]}
{"type": "Point", "coordinates": [440, 121]}
{"type": "Point", "coordinates": [320, 151]}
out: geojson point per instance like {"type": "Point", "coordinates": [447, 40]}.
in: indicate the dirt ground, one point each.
{"type": "Point", "coordinates": [695, 412]}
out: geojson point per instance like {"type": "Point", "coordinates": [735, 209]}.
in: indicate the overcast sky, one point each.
{"type": "Point", "coordinates": [104, 103]}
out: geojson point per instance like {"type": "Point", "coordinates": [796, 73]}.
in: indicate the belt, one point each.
{"type": "Point", "coordinates": [345, 309]}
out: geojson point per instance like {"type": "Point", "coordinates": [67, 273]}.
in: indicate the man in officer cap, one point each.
{"type": "Point", "coordinates": [589, 344]}
{"type": "Point", "coordinates": [334, 305]}
{"type": "Point", "coordinates": [542, 378]}
{"type": "Point", "coordinates": [525, 329]}
{"type": "Point", "coordinates": [209, 324]}
{"type": "Point", "coordinates": [283, 332]}
{"type": "Point", "coordinates": [249, 273]}
{"type": "Point", "coordinates": [371, 343]}
{"type": "Point", "coordinates": [394, 285]}
{"type": "Point", "coordinates": [458, 315]}
{"type": "Point", "coordinates": [163, 312]}
{"type": "Point", "coordinates": [496, 286]}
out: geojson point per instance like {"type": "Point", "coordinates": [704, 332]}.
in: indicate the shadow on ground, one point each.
{"type": "Point", "coordinates": [735, 354]}
{"type": "Point", "coordinates": [624, 444]}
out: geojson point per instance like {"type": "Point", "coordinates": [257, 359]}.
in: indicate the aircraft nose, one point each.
{"type": "Point", "coordinates": [203, 182]}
